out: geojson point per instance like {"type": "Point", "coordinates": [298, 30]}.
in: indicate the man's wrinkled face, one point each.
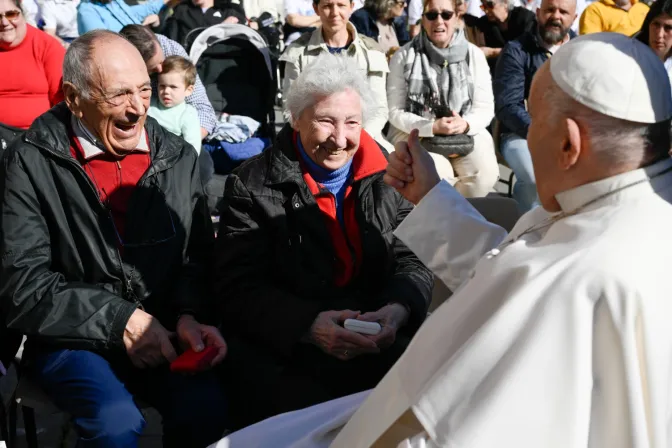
{"type": "Point", "coordinates": [334, 14]}
{"type": "Point", "coordinates": [331, 129]}
{"type": "Point", "coordinates": [555, 18]}
{"type": "Point", "coordinates": [119, 98]}
{"type": "Point", "coordinates": [497, 11]}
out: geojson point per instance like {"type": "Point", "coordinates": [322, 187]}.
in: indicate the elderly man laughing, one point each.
{"type": "Point", "coordinates": [305, 243]}
{"type": "Point", "coordinates": [105, 237]}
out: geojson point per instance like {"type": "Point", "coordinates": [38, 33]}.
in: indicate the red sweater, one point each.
{"type": "Point", "coordinates": [347, 241]}
{"type": "Point", "coordinates": [30, 78]}
{"type": "Point", "coordinates": [115, 179]}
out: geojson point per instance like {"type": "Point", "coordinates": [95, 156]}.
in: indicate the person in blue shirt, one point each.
{"type": "Point", "coordinates": [113, 15]}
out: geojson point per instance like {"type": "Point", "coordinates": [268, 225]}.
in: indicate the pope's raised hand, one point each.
{"type": "Point", "coordinates": [411, 169]}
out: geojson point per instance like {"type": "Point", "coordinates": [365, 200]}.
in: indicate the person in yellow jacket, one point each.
{"type": "Point", "coordinates": [619, 16]}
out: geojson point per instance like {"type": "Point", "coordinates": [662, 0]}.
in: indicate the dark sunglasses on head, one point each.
{"type": "Point", "coordinates": [487, 5]}
{"type": "Point", "coordinates": [433, 15]}
{"type": "Point", "coordinates": [11, 15]}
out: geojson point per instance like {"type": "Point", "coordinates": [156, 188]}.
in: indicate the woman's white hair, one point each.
{"type": "Point", "coordinates": [329, 74]}
{"type": "Point", "coordinates": [616, 142]}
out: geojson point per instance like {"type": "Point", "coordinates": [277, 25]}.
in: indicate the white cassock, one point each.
{"type": "Point", "coordinates": [560, 337]}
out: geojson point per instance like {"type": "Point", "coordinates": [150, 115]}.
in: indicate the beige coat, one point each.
{"type": "Point", "coordinates": [368, 57]}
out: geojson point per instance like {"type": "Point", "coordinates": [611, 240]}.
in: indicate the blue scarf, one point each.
{"type": "Point", "coordinates": [336, 182]}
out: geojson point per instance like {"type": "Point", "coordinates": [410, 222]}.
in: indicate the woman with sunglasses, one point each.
{"type": "Point", "coordinates": [440, 84]}
{"type": "Point", "coordinates": [30, 78]}
{"type": "Point", "coordinates": [656, 32]}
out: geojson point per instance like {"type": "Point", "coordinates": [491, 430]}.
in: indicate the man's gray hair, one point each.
{"type": "Point", "coordinates": [78, 69]}
{"type": "Point", "coordinates": [329, 74]}
{"type": "Point", "coordinates": [616, 142]}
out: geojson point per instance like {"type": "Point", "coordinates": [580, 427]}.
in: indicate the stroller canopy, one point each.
{"type": "Point", "coordinates": [222, 32]}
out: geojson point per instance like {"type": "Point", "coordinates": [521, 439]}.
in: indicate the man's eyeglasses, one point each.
{"type": "Point", "coordinates": [433, 15]}
{"type": "Point", "coordinates": [12, 15]}
{"type": "Point", "coordinates": [487, 5]}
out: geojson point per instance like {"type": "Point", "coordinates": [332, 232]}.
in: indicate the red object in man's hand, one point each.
{"type": "Point", "coordinates": [191, 361]}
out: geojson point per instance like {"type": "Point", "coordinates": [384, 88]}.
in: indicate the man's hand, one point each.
{"type": "Point", "coordinates": [152, 20]}
{"type": "Point", "coordinates": [147, 342]}
{"type": "Point", "coordinates": [491, 52]}
{"type": "Point", "coordinates": [328, 334]}
{"type": "Point", "coordinates": [231, 19]}
{"type": "Point", "coordinates": [197, 336]}
{"type": "Point", "coordinates": [411, 169]}
{"type": "Point", "coordinates": [391, 317]}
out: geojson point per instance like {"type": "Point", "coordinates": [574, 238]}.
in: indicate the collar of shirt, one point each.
{"type": "Point", "coordinates": [317, 40]}
{"type": "Point", "coordinates": [571, 200]}
{"type": "Point", "coordinates": [91, 146]}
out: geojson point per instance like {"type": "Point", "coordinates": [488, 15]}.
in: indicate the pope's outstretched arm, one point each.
{"type": "Point", "coordinates": [444, 230]}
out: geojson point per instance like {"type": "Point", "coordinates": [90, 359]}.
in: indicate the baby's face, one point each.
{"type": "Point", "coordinates": [172, 89]}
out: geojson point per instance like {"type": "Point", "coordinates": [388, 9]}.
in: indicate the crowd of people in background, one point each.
{"type": "Point", "coordinates": [111, 204]}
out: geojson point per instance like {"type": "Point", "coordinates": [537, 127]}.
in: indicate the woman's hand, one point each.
{"type": "Point", "coordinates": [328, 334]}
{"type": "Point", "coordinates": [391, 317]}
{"type": "Point", "coordinates": [450, 125]}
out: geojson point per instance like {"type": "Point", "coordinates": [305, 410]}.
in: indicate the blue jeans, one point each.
{"type": "Point", "coordinates": [517, 155]}
{"type": "Point", "coordinates": [98, 395]}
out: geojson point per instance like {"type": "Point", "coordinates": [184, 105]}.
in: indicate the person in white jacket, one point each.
{"type": "Point", "coordinates": [559, 336]}
{"type": "Point", "coordinates": [337, 35]}
{"type": "Point", "coordinates": [440, 83]}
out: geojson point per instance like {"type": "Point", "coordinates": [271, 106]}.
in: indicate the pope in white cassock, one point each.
{"type": "Point", "coordinates": [560, 335]}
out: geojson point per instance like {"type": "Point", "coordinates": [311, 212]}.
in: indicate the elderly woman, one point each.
{"type": "Point", "coordinates": [440, 84]}
{"type": "Point", "coordinates": [113, 15]}
{"type": "Point", "coordinates": [656, 32]}
{"type": "Point", "coordinates": [337, 35]}
{"type": "Point", "coordinates": [31, 61]}
{"type": "Point", "coordinates": [305, 242]}
{"type": "Point", "coordinates": [381, 20]}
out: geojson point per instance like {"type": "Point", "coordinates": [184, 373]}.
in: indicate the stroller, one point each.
{"type": "Point", "coordinates": [233, 62]}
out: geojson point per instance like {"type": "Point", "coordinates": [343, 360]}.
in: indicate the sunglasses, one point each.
{"type": "Point", "coordinates": [11, 15]}
{"type": "Point", "coordinates": [487, 5]}
{"type": "Point", "coordinates": [433, 15]}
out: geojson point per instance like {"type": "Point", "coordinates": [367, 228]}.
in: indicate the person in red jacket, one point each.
{"type": "Point", "coordinates": [31, 68]}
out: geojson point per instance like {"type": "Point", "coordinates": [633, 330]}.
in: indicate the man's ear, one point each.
{"type": "Point", "coordinates": [72, 99]}
{"type": "Point", "coordinates": [572, 148]}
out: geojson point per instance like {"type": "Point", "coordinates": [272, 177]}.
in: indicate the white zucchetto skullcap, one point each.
{"type": "Point", "coordinates": [615, 75]}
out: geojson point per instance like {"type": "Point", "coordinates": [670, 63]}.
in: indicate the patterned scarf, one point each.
{"type": "Point", "coordinates": [452, 89]}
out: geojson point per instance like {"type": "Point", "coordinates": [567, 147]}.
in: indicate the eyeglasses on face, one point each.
{"type": "Point", "coordinates": [433, 15]}
{"type": "Point", "coordinates": [11, 15]}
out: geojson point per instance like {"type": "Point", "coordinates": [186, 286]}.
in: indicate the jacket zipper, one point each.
{"type": "Point", "coordinates": [126, 281]}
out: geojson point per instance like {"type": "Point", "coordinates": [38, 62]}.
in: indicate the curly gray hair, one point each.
{"type": "Point", "coordinates": [329, 74]}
